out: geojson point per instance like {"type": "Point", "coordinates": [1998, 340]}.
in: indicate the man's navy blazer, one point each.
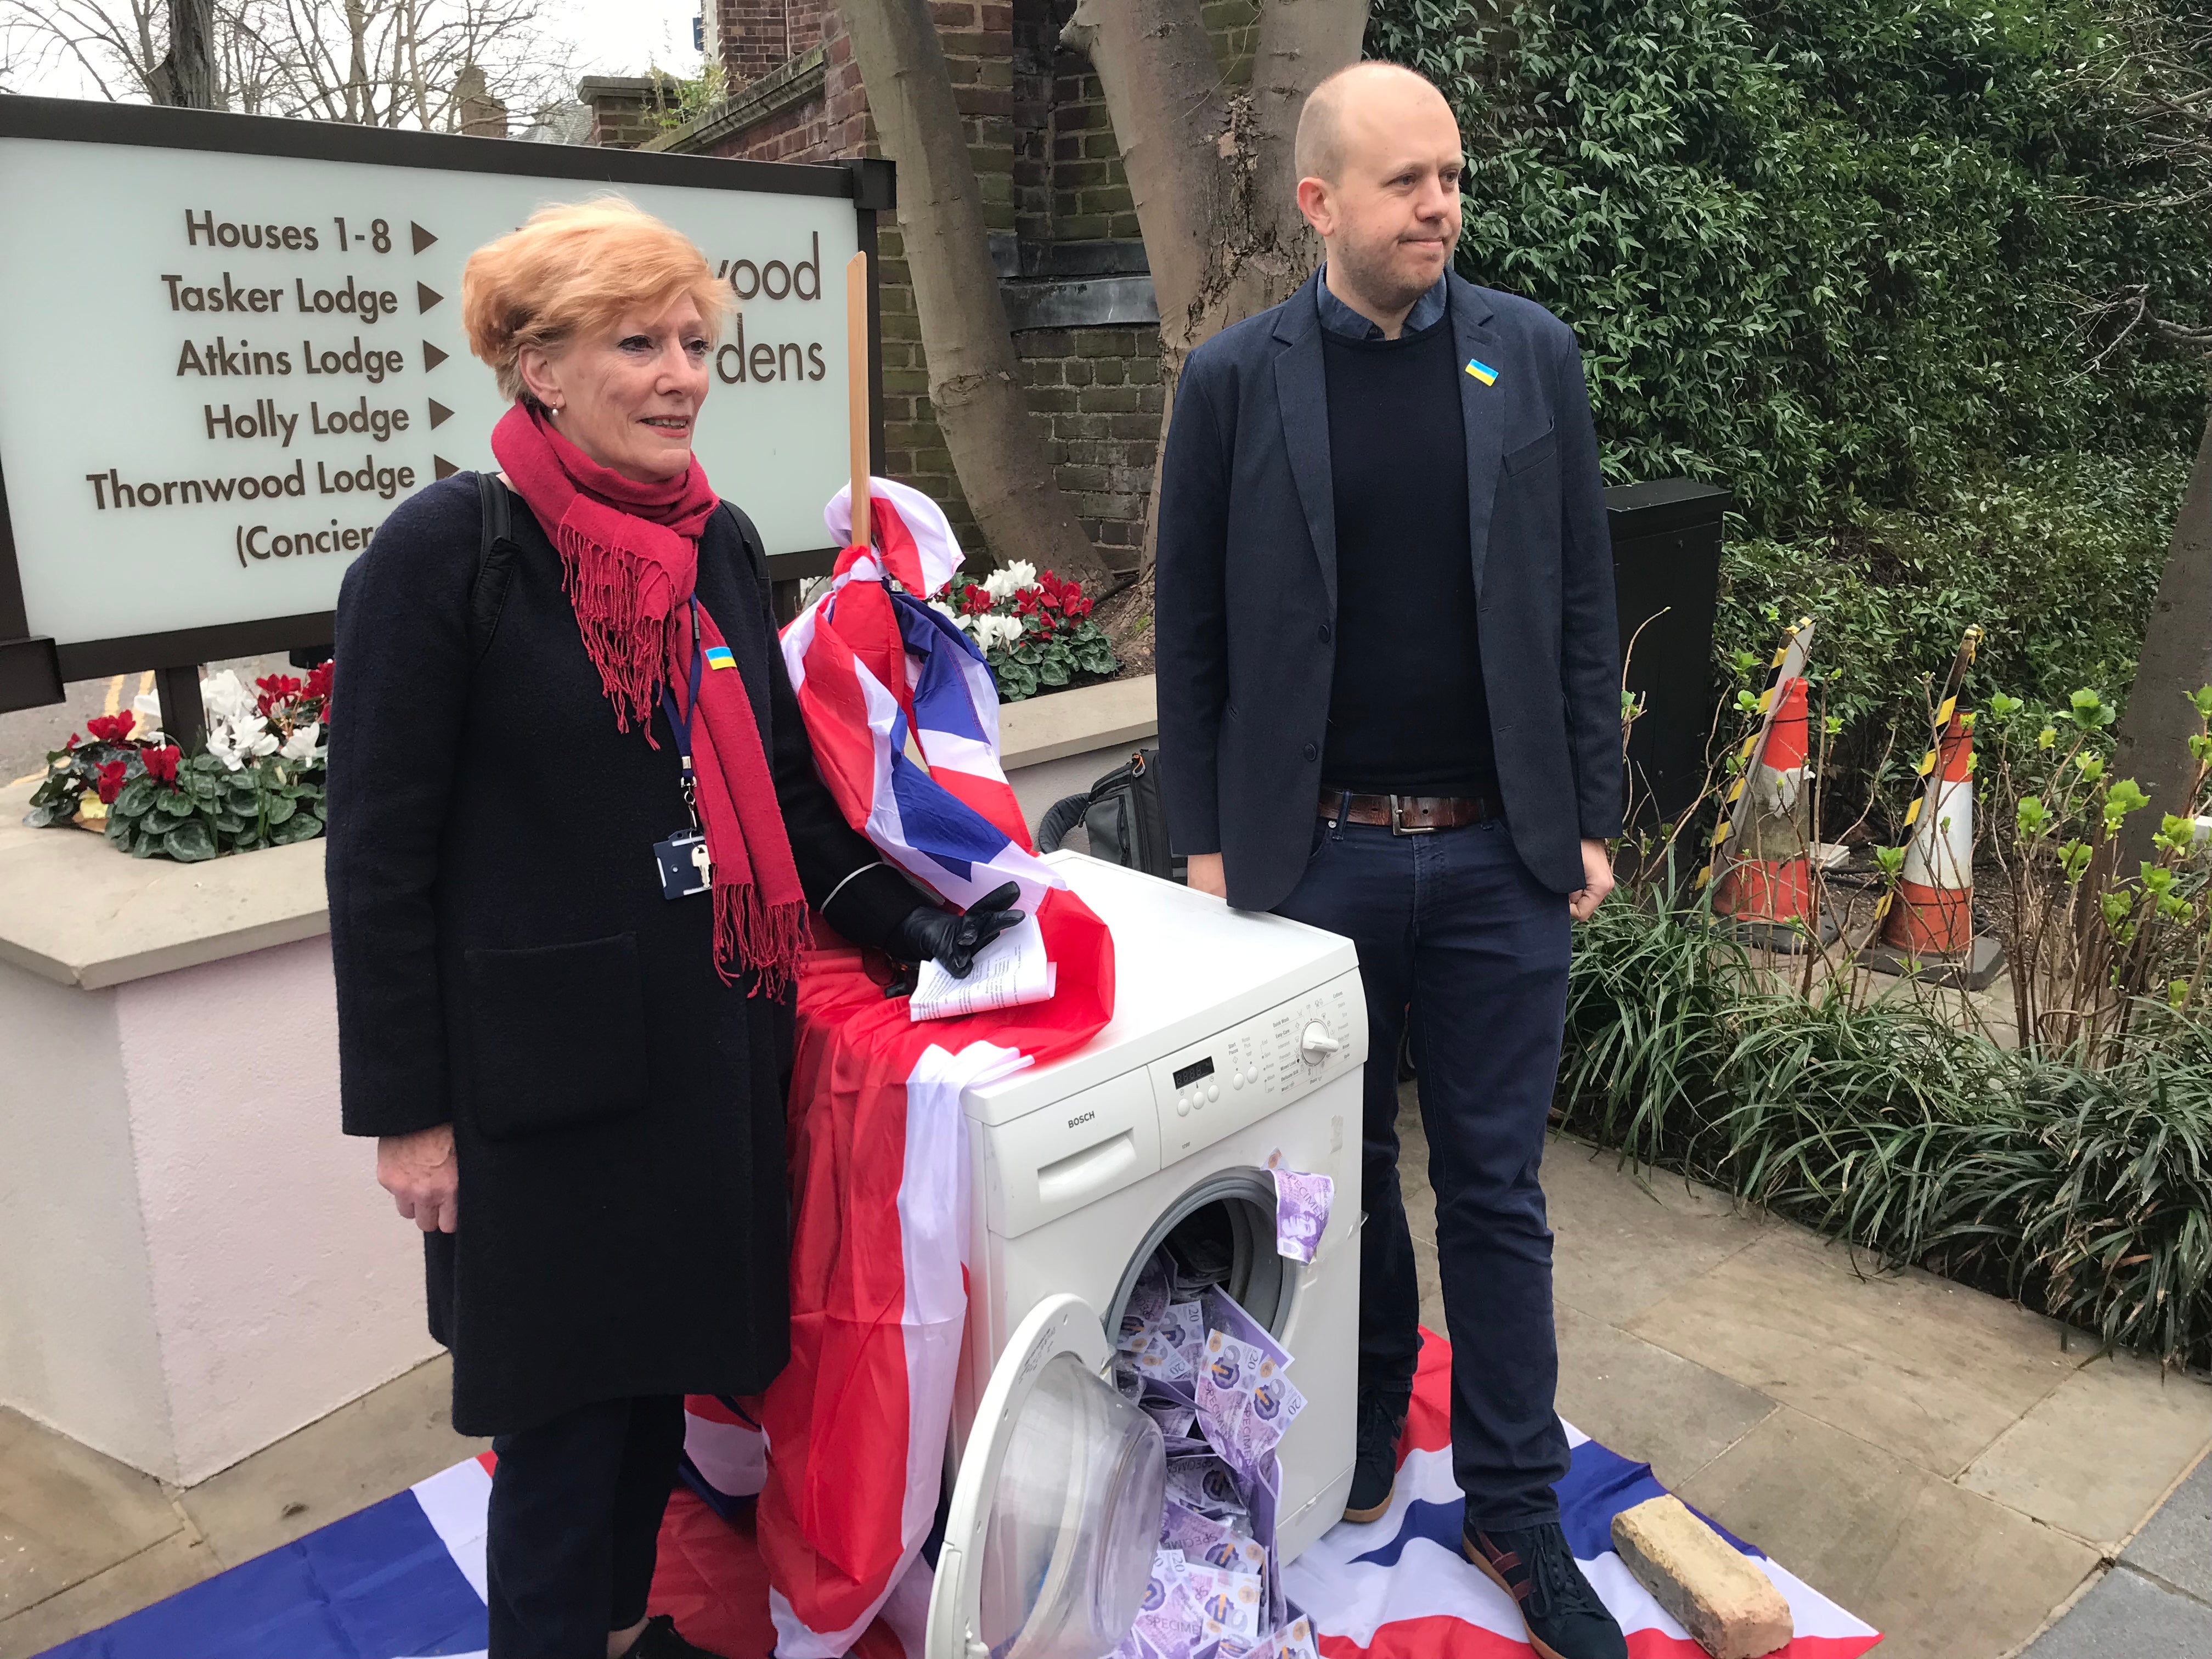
{"type": "Point", "coordinates": [1247, 585]}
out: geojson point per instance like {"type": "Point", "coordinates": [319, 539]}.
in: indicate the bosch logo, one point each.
{"type": "Point", "coordinates": [1080, 1119]}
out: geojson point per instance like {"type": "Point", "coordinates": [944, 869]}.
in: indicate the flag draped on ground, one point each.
{"type": "Point", "coordinates": [404, 1577]}
{"type": "Point", "coordinates": [1398, 1588]}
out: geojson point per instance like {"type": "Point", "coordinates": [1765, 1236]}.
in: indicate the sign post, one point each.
{"type": "Point", "coordinates": [238, 348]}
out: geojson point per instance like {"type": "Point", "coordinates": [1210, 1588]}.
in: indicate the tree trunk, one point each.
{"type": "Point", "coordinates": [1212, 166]}
{"type": "Point", "coordinates": [186, 77]}
{"type": "Point", "coordinates": [974, 379]}
{"type": "Point", "coordinates": [2176, 659]}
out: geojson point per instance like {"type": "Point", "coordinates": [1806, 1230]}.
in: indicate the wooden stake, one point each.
{"type": "Point", "coordinates": [856, 360]}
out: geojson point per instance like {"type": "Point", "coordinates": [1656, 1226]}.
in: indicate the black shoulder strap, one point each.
{"type": "Point", "coordinates": [750, 535]}
{"type": "Point", "coordinates": [495, 553]}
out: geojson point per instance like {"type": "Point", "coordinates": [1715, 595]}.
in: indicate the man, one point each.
{"type": "Point", "coordinates": [1390, 709]}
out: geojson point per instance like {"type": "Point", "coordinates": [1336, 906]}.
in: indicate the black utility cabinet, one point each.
{"type": "Point", "coordinates": [1666, 574]}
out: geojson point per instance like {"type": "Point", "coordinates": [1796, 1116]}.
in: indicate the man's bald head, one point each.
{"type": "Point", "coordinates": [1354, 106]}
{"type": "Point", "coordinates": [1379, 164]}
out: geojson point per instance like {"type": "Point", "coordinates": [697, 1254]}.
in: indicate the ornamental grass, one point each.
{"type": "Point", "coordinates": [2083, 1191]}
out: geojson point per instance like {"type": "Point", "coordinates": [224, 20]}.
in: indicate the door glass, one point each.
{"type": "Point", "coordinates": [1069, 1544]}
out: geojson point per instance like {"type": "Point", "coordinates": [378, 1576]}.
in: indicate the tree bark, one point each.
{"type": "Point", "coordinates": [1212, 166]}
{"type": "Point", "coordinates": [974, 378]}
{"type": "Point", "coordinates": [2176, 659]}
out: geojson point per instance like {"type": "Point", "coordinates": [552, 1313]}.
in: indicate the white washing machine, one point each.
{"type": "Point", "coordinates": [1236, 1038]}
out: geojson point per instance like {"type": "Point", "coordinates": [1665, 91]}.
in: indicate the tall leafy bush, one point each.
{"type": "Point", "coordinates": [1825, 249]}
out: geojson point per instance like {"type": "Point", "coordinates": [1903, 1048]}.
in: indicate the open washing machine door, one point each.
{"type": "Point", "coordinates": [1056, 1511]}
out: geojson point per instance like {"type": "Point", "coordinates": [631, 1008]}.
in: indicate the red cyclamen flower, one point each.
{"type": "Point", "coordinates": [161, 763]}
{"type": "Point", "coordinates": [110, 784]}
{"type": "Point", "coordinates": [110, 728]}
{"type": "Point", "coordinates": [319, 683]}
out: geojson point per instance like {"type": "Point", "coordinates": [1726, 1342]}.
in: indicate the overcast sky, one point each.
{"type": "Point", "coordinates": [611, 37]}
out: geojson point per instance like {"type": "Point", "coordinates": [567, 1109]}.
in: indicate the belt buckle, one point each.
{"type": "Point", "coordinates": [1398, 824]}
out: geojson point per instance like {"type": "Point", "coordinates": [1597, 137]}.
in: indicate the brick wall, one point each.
{"type": "Point", "coordinates": [1051, 180]}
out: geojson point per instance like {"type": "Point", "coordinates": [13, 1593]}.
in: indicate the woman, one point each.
{"type": "Point", "coordinates": [574, 1080]}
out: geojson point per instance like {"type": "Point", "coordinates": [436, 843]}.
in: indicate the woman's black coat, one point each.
{"type": "Point", "coordinates": [506, 962]}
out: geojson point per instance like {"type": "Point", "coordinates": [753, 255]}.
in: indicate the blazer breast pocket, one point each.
{"type": "Point", "coordinates": [557, 1035]}
{"type": "Point", "coordinates": [1533, 454]}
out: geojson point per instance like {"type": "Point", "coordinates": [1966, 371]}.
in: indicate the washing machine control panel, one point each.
{"type": "Point", "coordinates": [1257, 1066]}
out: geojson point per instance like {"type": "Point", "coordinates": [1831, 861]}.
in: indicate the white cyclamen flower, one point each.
{"type": "Point", "coordinates": [300, 745]}
{"type": "Point", "coordinates": [1023, 573]}
{"type": "Point", "coordinates": [226, 699]}
{"type": "Point", "coordinates": [234, 742]}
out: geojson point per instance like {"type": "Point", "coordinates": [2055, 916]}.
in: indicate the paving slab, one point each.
{"type": "Point", "coordinates": [1623, 1241]}
{"type": "Point", "coordinates": [2096, 1455]}
{"type": "Point", "coordinates": [1929, 1370]}
{"type": "Point", "coordinates": [177, 1562]}
{"type": "Point", "coordinates": [1946, 1573]}
{"type": "Point", "coordinates": [66, 1513]}
{"type": "Point", "coordinates": [2126, 1616]}
{"type": "Point", "coordinates": [381, 1445]}
{"type": "Point", "coordinates": [1647, 1403]}
{"type": "Point", "coordinates": [2176, 1545]}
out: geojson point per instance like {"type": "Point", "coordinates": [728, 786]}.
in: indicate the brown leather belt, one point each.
{"type": "Point", "coordinates": [1407, 815]}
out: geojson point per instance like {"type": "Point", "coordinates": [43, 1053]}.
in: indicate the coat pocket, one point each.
{"type": "Point", "coordinates": [1533, 454]}
{"type": "Point", "coordinates": [556, 1035]}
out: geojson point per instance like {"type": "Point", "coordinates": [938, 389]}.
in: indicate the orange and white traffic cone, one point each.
{"type": "Point", "coordinates": [1767, 889]}
{"type": "Point", "coordinates": [1928, 924]}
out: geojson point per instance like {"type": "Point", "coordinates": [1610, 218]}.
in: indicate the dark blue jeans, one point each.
{"type": "Point", "coordinates": [1453, 930]}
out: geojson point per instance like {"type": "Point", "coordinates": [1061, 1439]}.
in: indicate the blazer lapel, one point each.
{"type": "Point", "coordinates": [1302, 395]}
{"type": "Point", "coordinates": [1485, 409]}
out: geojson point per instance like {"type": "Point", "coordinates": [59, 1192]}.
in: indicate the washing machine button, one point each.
{"type": "Point", "coordinates": [1183, 1105]}
{"type": "Point", "coordinates": [1213, 1091]}
{"type": "Point", "coordinates": [1236, 1079]}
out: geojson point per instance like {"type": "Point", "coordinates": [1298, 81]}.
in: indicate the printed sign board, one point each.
{"type": "Point", "coordinates": [238, 347]}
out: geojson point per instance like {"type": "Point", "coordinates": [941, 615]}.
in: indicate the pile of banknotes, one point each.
{"type": "Point", "coordinates": [1212, 1378]}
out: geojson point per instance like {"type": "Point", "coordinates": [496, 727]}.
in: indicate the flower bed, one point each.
{"type": "Point", "coordinates": [255, 781]}
{"type": "Point", "coordinates": [1035, 630]}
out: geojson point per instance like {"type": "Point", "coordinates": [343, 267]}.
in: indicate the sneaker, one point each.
{"type": "Point", "coordinates": [1375, 1472]}
{"type": "Point", "coordinates": [1534, 1565]}
{"type": "Point", "coordinates": [658, 1640]}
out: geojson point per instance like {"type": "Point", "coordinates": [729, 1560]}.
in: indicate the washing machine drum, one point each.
{"type": "Point", "coordinates": [1055, 1513]}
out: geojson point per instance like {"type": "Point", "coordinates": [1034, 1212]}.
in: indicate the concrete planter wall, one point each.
{"type": "Point", "coordinates": [194, 1262]}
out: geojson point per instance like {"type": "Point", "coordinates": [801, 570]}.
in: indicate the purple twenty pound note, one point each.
{"type": "Point", "coordinates": [1302, 1204]}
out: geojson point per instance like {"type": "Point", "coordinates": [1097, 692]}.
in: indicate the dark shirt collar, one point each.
{"type": "Point", "coordinates": [1338, 318]}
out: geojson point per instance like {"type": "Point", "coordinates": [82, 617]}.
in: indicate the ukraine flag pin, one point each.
{"type": "Point", "coordinates": [1482, 371]}
{"type": "Point", "coordinates": [718, 656]}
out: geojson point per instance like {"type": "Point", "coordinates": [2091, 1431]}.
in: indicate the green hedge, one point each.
{"type": "Point", "coordinates": [2087, 1194]}
{"type": "Point", "coordinates": [2057, 563]}
{"type": "Point", "coordinates": [1825, 249]}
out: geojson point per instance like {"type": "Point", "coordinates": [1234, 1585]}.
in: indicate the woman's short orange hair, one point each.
{"type": "Point", "coordinates": [572, 268]}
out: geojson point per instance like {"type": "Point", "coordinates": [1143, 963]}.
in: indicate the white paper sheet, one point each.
{"type": "Point", "coordinates": [1009, 971]}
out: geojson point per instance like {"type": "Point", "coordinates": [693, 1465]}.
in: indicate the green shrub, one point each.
{"type": "Point", "coordinates": [2056, 562]}
{"type": "Point", "coordinates": [1820, 249]}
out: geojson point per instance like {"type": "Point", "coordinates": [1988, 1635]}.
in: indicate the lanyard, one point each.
{"type": "Point", "coordinates": [680, 724]}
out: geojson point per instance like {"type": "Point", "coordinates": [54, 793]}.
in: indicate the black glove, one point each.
{"type": "Point", "coordinates": [953, 938]}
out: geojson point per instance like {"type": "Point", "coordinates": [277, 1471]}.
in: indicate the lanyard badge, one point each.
{"type": "Point", "coordinates": [686, 870]}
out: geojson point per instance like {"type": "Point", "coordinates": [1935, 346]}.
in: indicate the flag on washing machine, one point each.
{"type": "Point", "coordinates": [901, 709]}
{"type": "Point", "coordinates": [903, 717]}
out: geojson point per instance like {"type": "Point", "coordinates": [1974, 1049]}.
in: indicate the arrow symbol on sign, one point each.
{"type": "Point", "coordinates": [439, 414]}
{"type": "Point", "coordinates": [422, 237]}
{"type": "Point", "coordinates": [441, 467]}
{"type": "Point", "coordinates": [426, 297]}
{"type": "Point", "coordinates": [432, 357]}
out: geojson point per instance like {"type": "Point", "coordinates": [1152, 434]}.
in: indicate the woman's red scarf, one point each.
{"type": "Point", "coordinates": [629, 557]}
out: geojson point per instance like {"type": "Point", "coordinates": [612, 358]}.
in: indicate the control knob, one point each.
{"type": "Point", "coordinates": [1317, 1045]}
